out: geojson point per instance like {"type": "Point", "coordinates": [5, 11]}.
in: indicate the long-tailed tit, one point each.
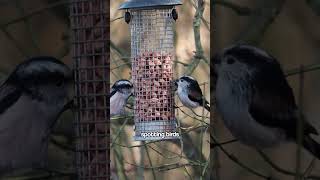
{"type": "Point", "coordinates": [190, 93]}
{"type": "Point", "coordinates": [256, 101]}
{"type": "Point", "coordinates": [120, 92]}
{"type": "Point", "coordinates": [31, 100]}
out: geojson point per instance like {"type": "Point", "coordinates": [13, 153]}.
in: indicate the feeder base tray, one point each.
{"type": "Point", "coordinates": [140, 138]}
{"type": "Point", "coordinates": [156, 130]}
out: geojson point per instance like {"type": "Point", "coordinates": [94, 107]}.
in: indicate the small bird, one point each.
{"type": "Point", "coordinates": [120, 92]}
{"type": "Point", "coordinates": [127, 17]}
{"type": "Point", "coordinates": [31, 100]}
{"type": "Point", "coordinates": [255, 100]}
{"type": "Point", "coordinates": [190, 93]}
{"type": "Point", "coordinates": [174, 14]}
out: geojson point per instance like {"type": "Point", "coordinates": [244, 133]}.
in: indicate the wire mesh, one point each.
{"type": "Point", "coordinates": [90, 35]}
{"type": "Point", "coordinates": [152, 53]}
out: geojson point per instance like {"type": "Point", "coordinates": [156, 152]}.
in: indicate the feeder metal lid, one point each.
{"type": "Point", "coordinates": [131, 4]}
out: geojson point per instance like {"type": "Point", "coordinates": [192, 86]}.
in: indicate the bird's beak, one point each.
{"type": "Point", "coordinates": [175, 85]}
{"type": "Point", "coordinates": [216, 59]}
{"type": "Point", "coordinates": [69, 105]}
{"type": "Point", "coordinates": [132, 94]}
{"type": "Point", "coordinates": [216, 64]}
{"type": "Point", "coordinates": [70, 96]}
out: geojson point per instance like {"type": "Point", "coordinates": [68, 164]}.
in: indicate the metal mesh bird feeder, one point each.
{"type": "Point", "coordinates": [152, 54]}
{"type": "Point", "coordinates": [90, 37]}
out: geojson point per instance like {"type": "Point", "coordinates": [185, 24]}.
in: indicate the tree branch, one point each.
{"type": "Point", "coordinates": [197, 39]}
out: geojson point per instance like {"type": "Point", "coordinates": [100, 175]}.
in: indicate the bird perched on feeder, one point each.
{"type": "Point", "coordinates": [174, 14]}
{"type": "Point", "coordinates": [256, 101]}
{"type": "Point", "coordinates": [190, 94]}
{"type": "Point", "coordinates": [31, 100]}
{"type": "Point", "coordinates": [127, 17]}
{"type": "Point", "coordinates": [120, 92]}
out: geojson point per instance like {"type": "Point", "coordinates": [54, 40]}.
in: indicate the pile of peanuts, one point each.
{"type": "Point", "coordinates": [152, 77]}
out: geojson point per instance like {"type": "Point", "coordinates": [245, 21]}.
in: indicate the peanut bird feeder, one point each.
{"type": "Point", "coordinates": [90, 35]}
{"type": "Point", "coordinates": [152, 54]}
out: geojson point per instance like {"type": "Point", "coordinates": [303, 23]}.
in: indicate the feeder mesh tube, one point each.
{"type": "Point", "coordinates": [90, 35]}
{"type": "Point", "coordinates": [152, 55]}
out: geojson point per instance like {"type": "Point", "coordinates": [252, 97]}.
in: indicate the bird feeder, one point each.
{"type": "Point", "coordinates": [90, 36]}
{"type": "Point", "coordinates": [152, 54]}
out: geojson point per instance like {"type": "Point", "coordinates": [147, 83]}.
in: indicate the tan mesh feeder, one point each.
{"type": "Point", "coordinates": [152, 54]}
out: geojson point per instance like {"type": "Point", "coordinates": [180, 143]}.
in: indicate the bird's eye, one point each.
{"type": "Point", "coordinates": [230, 60]}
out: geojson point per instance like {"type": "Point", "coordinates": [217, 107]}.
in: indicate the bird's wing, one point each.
{"type": "Point", "coordinates": [272, 102]}
{"type": "Point", "coordinates": [195, 93]}
{"type": "Point", "coordinates": [22, 132]}
{"type": "Point", "coordinates": [113, 91]}
{"type": "Point", "coordinates": [8, 96]}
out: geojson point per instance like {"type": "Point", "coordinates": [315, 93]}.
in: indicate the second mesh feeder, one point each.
{"type": "Point", "coordinates": [152, 54]}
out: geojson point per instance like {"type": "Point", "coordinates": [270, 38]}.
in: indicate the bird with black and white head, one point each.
{"type": "Point", "coordinates": [31, 100]}
{"type": "Point", "coordinates": [189, 93]}
{"type": "Point", "coordinates": [121, 90]}
{"type": "Point", "coordinates": [255, 100]}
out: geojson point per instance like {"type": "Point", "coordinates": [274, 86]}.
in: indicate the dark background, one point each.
{"type": "Point", "coordinates": [36, 28]}
{"type": "Point", "coordinates": [290, 31]}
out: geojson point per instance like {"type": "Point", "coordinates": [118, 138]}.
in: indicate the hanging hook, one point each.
{"type": "Point", "coordinates": [127, 16]}
{"type": "Point", "coordinates": [174, 14]}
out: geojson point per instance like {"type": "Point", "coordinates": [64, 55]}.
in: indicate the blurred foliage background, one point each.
{"type": "Point", "coordinates": [290, 31]}
{"type": "Point", "coordinates": [185, 159]}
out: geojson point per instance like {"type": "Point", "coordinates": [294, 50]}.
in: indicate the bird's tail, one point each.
{"type": "Point", "coordinates": [312, 146]}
